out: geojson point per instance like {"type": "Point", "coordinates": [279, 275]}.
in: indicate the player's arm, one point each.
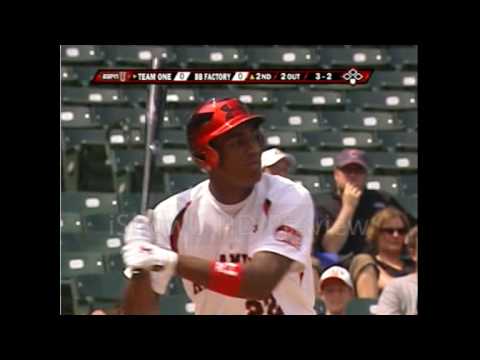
{"type": "Point", "coordinates": [336, 236]}
{"type": "Point", "coordinates": [254, 280]}
{"type": "Point", "coordinates": [139, 298]}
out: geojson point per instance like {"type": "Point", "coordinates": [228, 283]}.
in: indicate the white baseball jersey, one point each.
{"type": "Point", "coordinates": [276, 217]}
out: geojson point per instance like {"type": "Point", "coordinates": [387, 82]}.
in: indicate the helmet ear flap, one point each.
{"type": "Point", "coordinates": [208, 160]}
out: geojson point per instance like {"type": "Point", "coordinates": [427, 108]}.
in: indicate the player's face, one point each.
{"type": "Point", "coordinates": [336, 295]}
{"type": "Point", "coordinates": [240, 150]}
{"type": "Point", "coordinates": [353, 173]}
{"type": "Point", "coordinates": [279, 168]}
{"type": "Point", "coordinates": [392, 236]}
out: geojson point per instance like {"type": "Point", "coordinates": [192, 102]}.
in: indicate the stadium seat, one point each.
{"type": "Point", "coordinates": [175, 97]}
{"type": "Point", "coordinates": [404, 57]}
{"type": "Point", "coordinates": [92, 95]}
{"type": "Point", "coordinates": [75, 138]}
{"type": "Point", "coordinates": [85, 74]}
{"type": "Point", "coordinates": [114, 116]}
{"type": "Point", "coordinates": [168, 138]}
{"type": "Point", "coordinates": [383, 100]}
{"type": "Point", "coordinates": [77, 117]}
{"type": "Point", "coordinates": [175, 286]}
{"type": "Point", "coordinates": [390, 184]}
{"type": "Point", "coordinates": [68, 297]}
{"type": "Point", "coordinates": [176, 305]}
{"type": "Point", "coordinates": [314, 183]}
{"type": "Point", "coordinates": [409, 185]}
{"type": "Point", "coordinates": [314, 162]}
{"type": "Point", "coordinates": [103, 242]}
{"type": "Point", "coordinates": [340, 140]}
{"type": "Point", "coordinates": [101, 287]}
{"type": "Point", "coordinates": [311, 99]}
{"type": "Point", "coordinates": [283, 139]}
{"type": "Point", "coordinates": [118, 137]}
{"type": "Point", "coordinates": [354, 56]}
{"type": "Point", "coordinates": [81, 263]}
{"type": "Point", "coordinates": [361, 121]}
{"type": "Point", "coordinates": [139, 54]}
{"type": "Point", "coordinates": [69, 76]}
{"type": "Point", "coordinates": [198, 56]}
{"type": "Point", "coordinates": [102, 223]}
{"type": "Point", "coordinates": [361, 306]}
{"type": "Point", "coordinates": [114, 263]}
{"type": "Point", "coordinates": [291, 120]}
{"type": "Point", "coordinates": [177, 182]}
{"type": "Point", "coordinates": [71, 223]}
{"type": "Point", "coordinates": [409, 119]}
{"type": "Point", "coordinates": [410, 204]}
{"type": "Point", "coordinates": [394, 79]}
{"type": "Point", "coordinates": [82, 54]}
{"type": "Point", "coordinates": [175, 158]}
{"type": "Point", "coordinates": [393, 162]}
{"type": "Point", "coordinates": [249, 97]}
{"type": "Point", "coordinates": [89, 203]}
{"type": "Point", "coordinates": [281, 57]}
{"type": "Point", "coordinates": [400, 141]}
{"type": "Point", "coordinates": [130, 202]}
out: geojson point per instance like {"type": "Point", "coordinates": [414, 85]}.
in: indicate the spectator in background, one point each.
{"type": "Point", "coordinates": [342, 218]}
{"type": "Point", "coordinates": [386, 238]}
{"type": "Point", "coordinates": [400, 295]}
{"type": "Point", "coordinates": [336, 290]}
{"type": "Point", "coordinates": [276, 162]}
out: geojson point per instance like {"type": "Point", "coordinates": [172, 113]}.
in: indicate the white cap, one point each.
{"type": "Point", "coordinates": [338, 273]}
{"type": "Point", "coordinates": [274, 155]}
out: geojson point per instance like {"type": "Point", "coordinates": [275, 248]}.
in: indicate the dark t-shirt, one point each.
{"type": "Point", "coordinates": [328, 207]}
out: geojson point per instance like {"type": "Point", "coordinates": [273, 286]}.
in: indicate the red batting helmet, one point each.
{"type": "Point", "coordinates": [212, 119]}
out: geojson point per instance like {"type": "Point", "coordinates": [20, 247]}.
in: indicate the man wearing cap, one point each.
{"type": "Point", "coordinates": [276, 162]}
{"type": "Point", "coordinates": [342, 218]}
{"type": "Point", "coordinates": [336, 290]}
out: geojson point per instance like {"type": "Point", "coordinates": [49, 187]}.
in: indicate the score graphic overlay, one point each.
{"type": "Point", "coordinates": [350, 76]}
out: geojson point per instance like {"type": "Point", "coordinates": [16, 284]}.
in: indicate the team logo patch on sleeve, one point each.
{"type": "Point", "coordinates": [289, 235]}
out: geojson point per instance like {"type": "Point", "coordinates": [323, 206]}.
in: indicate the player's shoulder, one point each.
{"type": "Point", "coordinates": [283, 190]}
{"type": "Point", "coordinates": [175, 203]}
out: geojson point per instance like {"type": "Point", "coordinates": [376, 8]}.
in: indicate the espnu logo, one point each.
{"type": "Point", "coordinates": [120, 75]}
{"type": "Point", "coordinates": [289, 235]}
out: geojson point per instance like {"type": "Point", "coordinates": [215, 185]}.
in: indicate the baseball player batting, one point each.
{"type": "Point", "coordinates": [240, 240]}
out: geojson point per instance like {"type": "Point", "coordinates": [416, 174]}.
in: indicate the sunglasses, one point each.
{"type": "Point", "coordinates": [391, 231]}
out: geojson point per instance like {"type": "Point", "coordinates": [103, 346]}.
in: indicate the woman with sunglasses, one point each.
{"type": "Point", "coordinates": [386, 238]}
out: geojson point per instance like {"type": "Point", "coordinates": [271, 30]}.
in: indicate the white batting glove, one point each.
{"type": "Point", "coordinates": [139, 229]}
{"type": "Point", "coordinates": [145, 255]}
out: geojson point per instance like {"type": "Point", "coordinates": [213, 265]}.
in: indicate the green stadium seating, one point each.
{"type": "Point", "coordinates": [361, 306]}
{"type": "Point", "coordinates": [281, 57]}
{"type": "Point", "coordinates": [177, 182]}
{"type": "Point", "coordinates": [410, 204]}
{"type": "Point", "coordinates": [69, 75]}
{"type": "Point", "coordinates": [114, 116]}
{"type": "Point", "coordinates": [362, 121]}
{"type": "Point", "coordinates": [409, 185]}
{"type": "Point", "coordinates": [313, 100]}
{"type": "Point", "coordinates": [314, 183]}
{"type": "Point", "coordinates": [410, 119]}
{"type": "Point", "coordinates": [93, 95]}
{"type": "Point", "coordinates": [94, 241]}
{"type": "Point", "coordinates": [75, 138]}
{"type": "Point", "coordinates": [82, 54]}
{"type": "Point", "coordinates": [314, 162]}
{"type": "Point", "coordinates": [208, 56]}
{"type": "Point", "coordinates": [101, 287]}
{"type": "Point", "coordinates": [89, 203]}
{"type": "Point", "coordinates": [252, 98]}
{"type": "Point", "coordinates": [404, 57]}
{"type": "Point", "coordinates": [354, 56]}
{"type": "Point", "coordinates": [390, 184]}
{"type": "Point", "coordinates": [340, 140]}
{"type": "Point", "coordinates": [139, 55]}
{"type": "Point", "coordinates": [393, 162]}
{"type": "Point", "coordinates": [77, 117]}
{"type": "Point", "coordinates": [284, 139]}
{"type": "Point", "coordinates": [394, 79]}
{"type": "Point", "coordinates": [291, 120]}
{"type": "Point", "coordinates": [71, 223]}
{"type": "Point", "coordinates": [383, 100]}
{"type": "Point", "coordinates": [176, 305]}
{"type": "Point", "coordinates": [81, 263]}
{"type": "Point", "coordinates": [400, 141]}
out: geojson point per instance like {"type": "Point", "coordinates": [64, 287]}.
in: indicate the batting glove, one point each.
{"type": "Point", "coordinates": [145, 255]}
